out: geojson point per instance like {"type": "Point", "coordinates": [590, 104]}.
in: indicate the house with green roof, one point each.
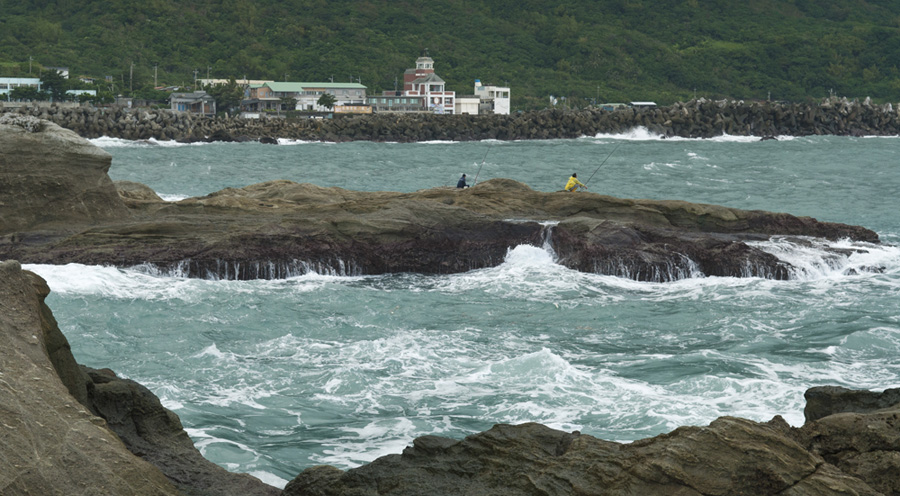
{"type": "Point", "coordinates": [275, 95]}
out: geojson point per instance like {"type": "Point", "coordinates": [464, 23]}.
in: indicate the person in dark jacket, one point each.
{"type": "Point", "coordinates": [462, 182]}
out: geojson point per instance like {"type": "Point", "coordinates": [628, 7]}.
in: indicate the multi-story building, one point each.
{"type": "Point", "coordinates": [494, 99]}
{"type": "Point", "coordinates": [273, 95]}
{"type": "Point", "coordinates": [423, 82]}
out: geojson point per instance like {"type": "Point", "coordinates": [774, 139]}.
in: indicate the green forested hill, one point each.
{"type": "Point", "coordinates": [611, 50]}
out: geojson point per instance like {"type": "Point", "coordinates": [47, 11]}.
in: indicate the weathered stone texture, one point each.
{"type": "Point", "coordinates": [50, 443]}
{"type": "Point", "coordinates": [50, 176]}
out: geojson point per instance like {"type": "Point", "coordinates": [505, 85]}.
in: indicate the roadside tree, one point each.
{"type": "Point", "coordinates": [327, 100]}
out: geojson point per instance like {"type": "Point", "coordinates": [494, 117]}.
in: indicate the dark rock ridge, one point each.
{"type": "Point", "coordinates": [279, 228]}
{"type": "Point", "coordinates": [694, 119]}
{"type": "Point", "coordinates": [839, 454]}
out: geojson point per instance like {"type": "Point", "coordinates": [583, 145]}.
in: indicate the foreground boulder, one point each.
{"type": "Point", "coordinates": [72, 430]}
{"type": "Point", "coordinates": [730, 456]}
{"type": "Point", "coordinates": [51, 443]}
{"type": "Point", "coordinates": [853, 450]}
{"type": "Point", "coordinates": [279, 228]}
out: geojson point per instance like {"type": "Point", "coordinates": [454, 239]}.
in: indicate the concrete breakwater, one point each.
{"type": "Point", "coordinates": [694, 119]}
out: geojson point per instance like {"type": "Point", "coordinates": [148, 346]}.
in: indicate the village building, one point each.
{"type": "Point", "coordinates": [423, 82]}
{"type": "Point", "coordinates": [63, 71]}
{"type": "Point", "coordinates": [303, 96]}
{"type": "Point", "coordinates": [467, 104]}
{"type": "Point", "coordinates": [78, 93]}
{"type": "Point", "coordinates": [197, 102]}
{"type": "Point", "coordinates": [7, 84]}
{"type": "Point", "coordinates": [494, 99]}
{"type": "Point", "coordinates": [396, 101]}
{"type": "Point", "coordinates": [642, 105]}
{"type": "Point", "coordinates": [423, 91]}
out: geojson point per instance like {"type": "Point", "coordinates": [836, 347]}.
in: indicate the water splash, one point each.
{"type": "Point", "coordinates": [816, 258]}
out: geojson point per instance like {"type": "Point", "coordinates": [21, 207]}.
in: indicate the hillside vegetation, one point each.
{"type": "Point", "coordinates": [583, 50]}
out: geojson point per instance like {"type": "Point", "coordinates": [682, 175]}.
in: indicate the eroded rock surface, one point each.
{"type": "Point", "coordinates": [51, 443]}
{"type": "Point", "coordinates": [855, 450]}
{"type": "Point", "coordinates": [729, 456]}
{"type": "Point", "coordinates": [49, 176]}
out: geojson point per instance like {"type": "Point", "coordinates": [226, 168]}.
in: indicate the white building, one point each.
{"type": "Point", "coordinates": [63, 71]}
{"type": "Point", "coordinates": [467, 104]}
{"type": "Point", "coordinates": [7, 84]}
{"type": "Point", "coordinates": [77, 93]}
{"type": "Point", "coordinates": [495, 96]}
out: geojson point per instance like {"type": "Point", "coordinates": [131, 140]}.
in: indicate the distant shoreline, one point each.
{"type": "Point", "coordinates": [693, 119]}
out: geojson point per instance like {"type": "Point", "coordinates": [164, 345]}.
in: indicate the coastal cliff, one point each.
{"type": "Point", "coordinates": [279, 228]}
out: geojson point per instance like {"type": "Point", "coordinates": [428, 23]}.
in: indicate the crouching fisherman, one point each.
{"type": "Point", "coordinates": [574, 183]}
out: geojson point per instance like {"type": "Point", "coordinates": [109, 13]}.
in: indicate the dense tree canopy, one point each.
{"type": "Point", "coordinates": [584, 50]}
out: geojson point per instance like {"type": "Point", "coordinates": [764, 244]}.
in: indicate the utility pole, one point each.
{"type": "Point", "coordinates": [30, 58]}
{"type": "Point", "coordinates": [195, 79]}
{"type": "Point", "coordinates": [155, 84]}
{"type": "Point", "coordinates": [207, 73]}
{"type": "Point", "coordinates": [131, 79]}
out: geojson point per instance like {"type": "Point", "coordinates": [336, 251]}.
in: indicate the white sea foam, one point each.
{"type": "Point", "coordinates": [172, 198]}
{"type": "Point", "coordinates": [816, 258]}
{"type": "Point", "coordinates": [641, 133]}
{"type": "Point", "coordinates": [269, 478]}
{"type": "Point", "coordinates": [107, 142]}
{"type": "Point", "coordinates": [288, 141]}
{"type": "Point", "coordinates": [635, 134]}
{"type": "Point", "coordinates": [115, 283]}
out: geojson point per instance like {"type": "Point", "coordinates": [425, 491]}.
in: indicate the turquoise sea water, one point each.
{"type": "Point", "coordinates": [271, 377]}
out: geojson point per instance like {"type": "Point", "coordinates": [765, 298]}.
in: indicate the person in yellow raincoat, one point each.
{"type": "Point", "coordinates": [574, 183]}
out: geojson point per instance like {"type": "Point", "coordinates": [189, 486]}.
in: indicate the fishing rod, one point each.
{"type": "Point", "coordinates": [482, 164]}
{"type": "Point", "coordinates": [601, 163]}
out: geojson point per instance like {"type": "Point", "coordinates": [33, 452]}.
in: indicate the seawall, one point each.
{"type": "Point", "coordinates": [694, 119]}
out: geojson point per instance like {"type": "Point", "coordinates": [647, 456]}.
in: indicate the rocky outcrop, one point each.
{"type": "Point", "coordinates": [49, 177]}
{"type": "Point", "coordinates": [73, 430]}
{"type": "Point", "coordinates": [279, 228]}
{"type": "Point", "coordinates": [829, 400]}
{"type": "Point", "coordinates": [694, 119]}
{"type": "Point", "coordinates": [51, 443]}
{"type": "Point", "coordinates": [155, 433]}
{"type": "Point", "coordinates": [838, 455]}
